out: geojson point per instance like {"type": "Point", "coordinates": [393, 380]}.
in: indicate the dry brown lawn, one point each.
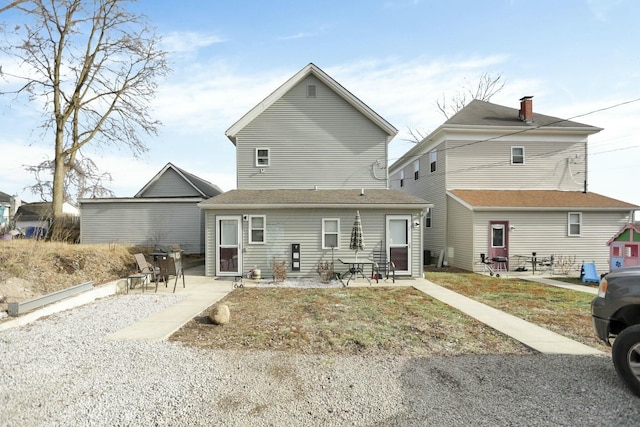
{"type": "Point", "coordinates": [348, 321]}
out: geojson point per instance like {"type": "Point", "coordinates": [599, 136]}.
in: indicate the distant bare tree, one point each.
{"type": "Point", "coordinates": [93, 66]}
{"type": "Point", "coordinates": [487, 86]}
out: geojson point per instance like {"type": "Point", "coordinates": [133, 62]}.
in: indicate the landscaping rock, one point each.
{"type": "Point", "coordinates": [220, 314]}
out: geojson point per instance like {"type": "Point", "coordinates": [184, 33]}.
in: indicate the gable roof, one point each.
{"type": "Point", "coordinates": [482, 113]}
{"type": "Point", "coordinates": [314, 70]}
{"type": "Point", "coordinates": [34, 211]}
{"type": "Point", "coordinates": [537, 199]}
{"type": "Point", "coordinates": [5, 198]}
{"type": "Point", "coordinates": [275, 199]}
{"type": "Point", "coordinates": [205, 188]}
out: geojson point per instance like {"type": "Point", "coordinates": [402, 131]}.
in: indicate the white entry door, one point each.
{"type": "Point", "coordinates": [399, 242]}
{"type": "Point", "coordinates": [229, 245]}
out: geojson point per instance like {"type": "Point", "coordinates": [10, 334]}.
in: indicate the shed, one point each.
{"type": "Point", "coordinates": [624, 247]}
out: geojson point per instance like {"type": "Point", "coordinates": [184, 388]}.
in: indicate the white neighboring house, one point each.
{"type": "Point", "coordinates": [8, 207]}
{"type": "Point", "coordinates": [508, 183]}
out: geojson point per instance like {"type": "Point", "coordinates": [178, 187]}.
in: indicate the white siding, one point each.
{"type": "Point", "coordinates": [320, 141]}
{"type": "Point", "coordinates": [144, 224]}
{"type": "Point", "coordinates": [546, 234]}
{"type": "Point", "coordinates": [287, 226]}
{"type": "Point", "coordinates": [550, 164]}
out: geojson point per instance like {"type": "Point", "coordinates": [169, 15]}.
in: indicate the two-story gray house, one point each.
{"type": "Point", "coordinates": [309, 156]}
{"type": "Point", "coordinates": [506, 183]}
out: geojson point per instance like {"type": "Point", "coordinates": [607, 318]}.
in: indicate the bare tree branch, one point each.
{"type": "Point", "coordinates": [487, 86]}
{"type": "Point", "coordinates": [94, 67]}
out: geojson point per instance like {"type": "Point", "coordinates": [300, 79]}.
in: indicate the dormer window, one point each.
{"type": "Point", "coordinates": [262, 157]}
{"type": "Point", "coordinates": [311, 91]}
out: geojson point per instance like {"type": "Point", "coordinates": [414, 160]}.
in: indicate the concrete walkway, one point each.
{"type": "Point", "coordinates": [559, 284]}
{"type": "Point", "coordinates": [533, 336]}
{"type": "Point", "coordinates": [200, 293]}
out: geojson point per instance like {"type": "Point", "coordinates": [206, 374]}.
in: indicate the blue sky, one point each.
{"type": "Point", "coordinates": [399, 57]}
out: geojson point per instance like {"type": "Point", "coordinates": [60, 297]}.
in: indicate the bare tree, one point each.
{"type": "Point", "coordinates": [487, 86]}
{"type": "Point", "coordinates": [93, 66]}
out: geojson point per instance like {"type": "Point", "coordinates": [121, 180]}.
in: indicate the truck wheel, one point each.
{"type": "Point", "coordinates": [626, 357]}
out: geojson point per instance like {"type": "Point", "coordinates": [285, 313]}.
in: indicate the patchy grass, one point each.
{"type": "Point", "coordinates": [563, 311]}
{"type": "Point", "coordinates": [399, 321]}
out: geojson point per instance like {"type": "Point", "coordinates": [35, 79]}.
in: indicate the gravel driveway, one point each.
{"type": "Point", "coordinates": [60, 371]}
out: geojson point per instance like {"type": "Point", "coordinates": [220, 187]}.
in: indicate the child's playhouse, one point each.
{"type": "Point", "coordinates": [624, 247]}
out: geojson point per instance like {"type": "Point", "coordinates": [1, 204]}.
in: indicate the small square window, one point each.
{"type": "Point", "coordinates": [262, 157]}
{"type": "Point", "coordinates": [257, 224]}
{"type": "Point", "coordinates": [330, 233]}
{"type": "Point", "coordinates": [574, 224]}
{"type": "Point", "coordinates": [517, 155]}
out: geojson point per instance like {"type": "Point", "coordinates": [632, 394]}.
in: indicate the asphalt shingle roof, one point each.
{"type": "Point", "coordinates": [313, 198]}
{"type": "Point", "coordinates": [482, 113]}
{"type": "Point", "coordinates": [538, 199]}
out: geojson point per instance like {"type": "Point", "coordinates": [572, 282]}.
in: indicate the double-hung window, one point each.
{"type": "Point", "coordinates": [257, 226]}
{"type": "Point", "coordinates": [517, 155]}
{"type": "Point", "coordinates": [428, 218]}
{"type": "Point", "coordinates": [574, 223]}
{"type": "Point", "coordinates": [433, 158]}
{"type": "Point", "coordinates": [416, 169]}
{"type": "Point", "coordinates": [262, 157]}
{"type": "Point", "coordinates": [402, 178]}
{"type": "Point", "coordinates": [331, 233]}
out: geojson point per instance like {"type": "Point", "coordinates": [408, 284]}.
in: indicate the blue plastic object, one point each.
{"type": "Point", "coordinates": [588, 272]}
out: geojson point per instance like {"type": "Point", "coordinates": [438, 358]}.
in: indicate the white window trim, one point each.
{"type": "Point", "coordinates": [428, 218]}
{"type": "Point", "coordinates": [416, 169]}
{"type": "Point", "coordinates": [512, 156]}
{"type": "Point", "coordinates": [324, 232]}
{"type": "Point", "coordinates": [402, 178]}
{"type": "Point", "coordinates": [258, 164]}
{"type": "Point", "coordinates": [264, 229]}
{"type": "Point", "coordinates": [433, 160]}
{"type": "Point", "coordinates": [569, 223]}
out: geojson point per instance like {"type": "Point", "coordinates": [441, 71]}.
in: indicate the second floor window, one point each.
{"type": "Point", "coordinates": [575, 223]}
{"type": "Point", "coordinates": [402, 178]}
{"type": "Point", "coordinates": [416, 169]}
{"type": "Point", "coordinates": [517, 155]}
{"type": "Point", "coordinates": [428, 218]}
{"type": "Point", "coordinates": [262, 157]}
{"type": "Point", "coordinates": [433, 158]}
{"type": "Point", "coordinates": [330, 233]}
{"type": "Point", "coordinates": [257, 228]}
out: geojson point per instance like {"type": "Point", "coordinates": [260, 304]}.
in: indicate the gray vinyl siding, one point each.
{"type": "Point", "coordinates": [460, 251]}
{"type": "Point", "coordinates": [546, 234]}
{"type": "Point", "coordinates": [171, 184]}
{"type": "Point", "coordinates": [430, 186]}
{"type": "Point", "coordinates": [304, 226]}
{"type": "Point", "coordinates": [143, 224]}
{"type": "Point", "coordinates": [321, 141]}
{"type": "Point", "coordinates": [555, 164]}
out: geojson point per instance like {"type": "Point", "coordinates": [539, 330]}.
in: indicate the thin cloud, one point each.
{"type": "Point", "coordinates": [301, 35]}
{"type": "Point", "coordinates": [186, 42]}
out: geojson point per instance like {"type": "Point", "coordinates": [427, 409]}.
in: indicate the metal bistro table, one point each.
{"type": "Point", "coordinates": [356, 266]}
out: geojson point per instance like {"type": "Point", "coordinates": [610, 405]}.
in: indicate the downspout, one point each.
{"type": "Point", "coordinates": [586, 164]}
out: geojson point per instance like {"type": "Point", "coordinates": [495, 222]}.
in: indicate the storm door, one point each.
{"type": "Point", "coordinates": [229, 245]}
{"type": "Point", "coordinates": [399, 242]}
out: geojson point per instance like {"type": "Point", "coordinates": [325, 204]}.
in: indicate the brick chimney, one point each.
{"type": "Point", "coordinates": [526, 109]}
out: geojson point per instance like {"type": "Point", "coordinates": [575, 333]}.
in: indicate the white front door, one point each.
{"type": "Point", "coordinates": [399, 242]}
{"type": "Point", "coordinates": [229, 245]}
